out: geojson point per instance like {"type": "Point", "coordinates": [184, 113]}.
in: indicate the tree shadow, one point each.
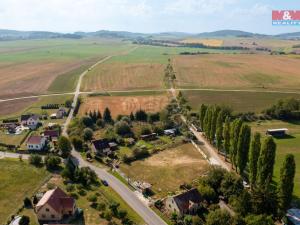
{"type": "Point", "coordinates": [287, 136]}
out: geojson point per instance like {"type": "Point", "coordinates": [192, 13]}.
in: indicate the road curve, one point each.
{"type": "Point", "coordinates": [132, 200]}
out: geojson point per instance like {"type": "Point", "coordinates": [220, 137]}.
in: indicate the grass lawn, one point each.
{"type": "Point", "coordinates": [284, 146]}
{"type": "Point", "coordinates": [17, 180]}
{"type": "Point", "coordinates": [167, 170]}
{"type": "Point", "coordinates": [11, 139]}
{"type": "Point", "coordinates": [238, 101]}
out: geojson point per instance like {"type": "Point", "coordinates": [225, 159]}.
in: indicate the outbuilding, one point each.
{"type": "Point", "coordinates": [277, 132]}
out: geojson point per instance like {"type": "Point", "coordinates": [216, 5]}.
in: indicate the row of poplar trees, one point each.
{"type": "Point", "coordinates": [247, 153]}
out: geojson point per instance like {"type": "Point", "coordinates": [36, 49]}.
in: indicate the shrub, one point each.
{"type": "Point", "coordinates": [101, 206]}
{"type": "Point", "coordinates": [27, 202]}
{"type": "Point", "coordinates": [145, 130]}
{"type": "Point", "coordinates": [122, 128]}
{"type": "Point", "coordinates": [140, 153]}
{"type": "Point", "coordinates": [141, 115]}
{"type": "Point", "coordinates": [50, 186]}
{"type": "Point", "coordinates": [82, 192]}
{"type": "Point", "coordinates": [70, 187]}
{"type": "Point", "coordinates": [87, 134]}
{"type": "Point", "coordinates": [77, 142]}
{"type": "Point", "coordinates": [74, 195]}
{"type": "Point", "coordinates": [52, 162]}
{"type": "Point", "coordinates": [208, 193]}
{"type": "Point", "coordinates": [35, 160]}
{"type": "Point", "coordinates": [92, 198]}
{"type": "Point", "coordinates": [25, 220]}
{"type": "Point", "coordinates": [86, 121]}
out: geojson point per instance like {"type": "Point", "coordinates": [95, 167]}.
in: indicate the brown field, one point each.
{"type": "Point", "coordinates": [167, 170]}
{"type": "Point", "coordinates": [238, 71]}
{"type": "Point", "coordinates": [124, 76]}
{"type": "Point", "coordinates": [32, 78]}
{"type": "Point", "coordinates": [207, 42]}
{"type": "Point", "coordinates": [124, 105]}
{"type": "Point", "coordinates": [12, 107]}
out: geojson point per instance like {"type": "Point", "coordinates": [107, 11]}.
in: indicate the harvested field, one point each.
{"type": "Point", "coordinates": [123, 76]}
{"type": "Point", "coordinates": [12, 107]}
{"type": "Point", "coordinates": [124, 105]}
{"type": "Point", "coordinates": [207, 42]}
{"type": "Point", "coordinates": [167, 170]}
{"type": "Point", "coordinates": [238, 72]}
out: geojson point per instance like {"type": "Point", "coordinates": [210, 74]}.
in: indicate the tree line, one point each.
{"type": "Point", "coordinates": [251, 157]}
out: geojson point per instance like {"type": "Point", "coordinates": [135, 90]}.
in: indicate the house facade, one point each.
{"type": "Point", "coordinates": [184, 203]}
{"type": "Point", "coordinates": [30, 121]}
{"type": "Point", "coordinates": [36, 143]}
{"type": "Point", "coordinates": [55, 205]}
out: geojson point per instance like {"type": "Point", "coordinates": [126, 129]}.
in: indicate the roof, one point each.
{"type": "Point", "coordinates": [294, 215]}
{"type": "Point", "coordinates": [57, 199]}
{"type": "Point", "coordinates": [51, 133]}
{"type": "Point", "coordinates": [25, 117]}
{"type": "Point", "coordinates": [101, 144]}
{"type": "Point", "coordinates": [34, 117]}
{"type": "Point", "coordinates": [34, 140]}
{"type": "Point", "coordinates": [183, 200]}
{"type": "Point", "coordinates": [277, 130]}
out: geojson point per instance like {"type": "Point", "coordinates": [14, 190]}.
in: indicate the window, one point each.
{"type": "Point", "coordinates": [47, 210]}
{"type": "Point", "coordinates": [52, 216]}
{"type": "Point", "coordinates": [43, 215]}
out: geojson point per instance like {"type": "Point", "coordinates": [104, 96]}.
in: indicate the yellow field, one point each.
{"type": "Point", "coordinates": [207, 42]}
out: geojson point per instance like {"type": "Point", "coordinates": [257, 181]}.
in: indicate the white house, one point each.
{"type": "Point", "coordinates": [30, 121]}
{"type": "Point", "coordinates": [36, 143]}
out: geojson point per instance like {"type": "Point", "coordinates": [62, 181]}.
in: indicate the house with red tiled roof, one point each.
{"type": "Point", "coordinates": [55, 205]}
{"type": "Point", "coordinates": [36, 143]}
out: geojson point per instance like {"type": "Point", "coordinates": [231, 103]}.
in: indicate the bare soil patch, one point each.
{"type": "Point", "coordinates": [124, 76]}
{"type": "Point", "coordinates": [12, 107]}
{"type": "Point", "coordinates": [124, 105]}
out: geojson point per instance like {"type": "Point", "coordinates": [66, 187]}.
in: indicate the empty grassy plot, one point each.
{"type": "Point", "coordinates": [17, 180]}
{"type": "Point", "coordinates": [124, 105]}
{"type": "Point", "coordinates": [16, 106]}
{"type": "Point", "coordinates": [123, 76]}
{"type": "Point", "coordinates": [167, 170]}
{"type": "Point", "coordinates": [228, 71]}
{"type": "Point", "coordinates": [238, 101]}
{"type": "Point", "coordinates": [287, 145]}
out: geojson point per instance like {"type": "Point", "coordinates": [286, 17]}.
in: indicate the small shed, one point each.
{"type": "Point", "coordinates": [277, 132]}
{"type": "Point", "coordinates": [149, 137]}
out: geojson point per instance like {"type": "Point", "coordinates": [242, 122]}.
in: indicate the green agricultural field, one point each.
{"type": "Point", "coordinates": [291, 144]}
{"type": "Point", "coordinates": [238, 101]}
{"type": "Point", "coordinates": [17, 180]}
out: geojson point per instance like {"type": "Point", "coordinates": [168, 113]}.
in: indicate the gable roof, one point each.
{"type": "Point", "coordinates": [29, 116]}
{"type": "Point", "coordinates": [51, 133]}
{"type": "Point", "coordinates": [34, 140]}
{"type": "Point", "coordinates": [57, 199]}
{"type": "Point", "coordinates": [101, 144]}
{"type": "Point", "coordinates": [183, 200]}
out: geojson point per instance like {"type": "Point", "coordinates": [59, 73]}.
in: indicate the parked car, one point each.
{"type": "Point", "coordinates": [104, 182]}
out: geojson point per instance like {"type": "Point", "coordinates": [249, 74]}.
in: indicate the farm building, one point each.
{"type": "Point", "coordinates": [36, 143]}
{"type": "Point", "coordinates": [50, 134]}
{"type": "Point", "coordinates": [277, 132]}
{"type": "Point", "coordinates": [184, 203]}
{"type": "Point", "coordinates": [55, 205]}
{"type": "Point", "coordinates": [170, 132]}
{"type": "Point", "coordinates": [30, 121]}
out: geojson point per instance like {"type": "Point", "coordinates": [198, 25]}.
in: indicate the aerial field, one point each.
{"type": "Point", "coordinates": [124, 76]}
{"type": "Point", "coordinates": [239, 101]}
{"type": "Point", "coordinates": [30, 67]}
{"type": "Point", "coordinates": [167, 170]}
{"type": "Point", "coordinates": [124, 105]}
{"type": "Point", "coordinates": [206, 42]}
{"type": "Point", "coordinates": [284, 146]}
{"type": "Point", "coordinates": [242, 71]}
{"type": "Point", "coordinates": [17, 181]}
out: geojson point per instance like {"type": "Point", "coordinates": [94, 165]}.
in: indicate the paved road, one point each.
{"type": "Point", "coordinates": [132, 200]}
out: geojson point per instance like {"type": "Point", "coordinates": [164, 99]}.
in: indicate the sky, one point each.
{"type": "Point", "coordinates": [147, 16]}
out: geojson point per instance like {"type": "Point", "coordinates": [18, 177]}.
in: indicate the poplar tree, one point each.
{"type": "Point", "coordinates": [202, 112]}
{"type": "Point", "coordinates": [286, 184]}
{"type": "Point", "coordinates": [266, 162]}
{"type": "Point", "coordinates": [253, 157]}
{"type": "Point", "coordinates": [243, 147]}
{"type": "Point", "coordinates": [107, 116]}
{"type": "Point", "coordinates": [219, 132]}
{"type": "Point", "coordinates": [214, 116]}
{"type": "Point", "coordinates": [226, 135]}
{"type": "Point", "coordinates": [207, 122]}
{"type": "Point", "coordinates": [234, 138]}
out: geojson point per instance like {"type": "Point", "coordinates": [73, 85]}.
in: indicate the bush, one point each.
{"type": "Point", "coordinates": [122, 128]}
{"type": "Point", "coordinates": [218, 217]}
{"type": "Point", "coordinates": [208, 193]}
{"type": "Point", "coordinates": [35, 160]}
{"type": "Point", "coordinates": [87, 134]}
{"type": "Point", "coordinates": [145, 130]}
{"type": "Point", "coordinates": [100, 123]}
{"type": "Point", "coordinates": [52, 162]}
{"type": "Point", "coordinates": [25, 220]}
{"type": "Point", "coordinates": [27, 202]}
{"type": "Point", "coordinates": [140, 153]}
{"type": "Point", "coordinates": [82, 192]}
{"type": "Point", "coordinates": [77, 143]}
{"type": "Point", "coordinates": [101, 206]}
{"type": "Point", "coordinates": [86, 121]}
{"type": "Point", "coordinates": [158, 130]}
{"type": "Point", "coordinates": [92, 198]}
{"type": "Point", "coordinates": [141, 115]}
{"type": "Point", "coordinates": [50, 186]}
{"type": "Point", "coordinates": [70, 187]}
{"type": "Point", "coordinates": [231, 185]}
